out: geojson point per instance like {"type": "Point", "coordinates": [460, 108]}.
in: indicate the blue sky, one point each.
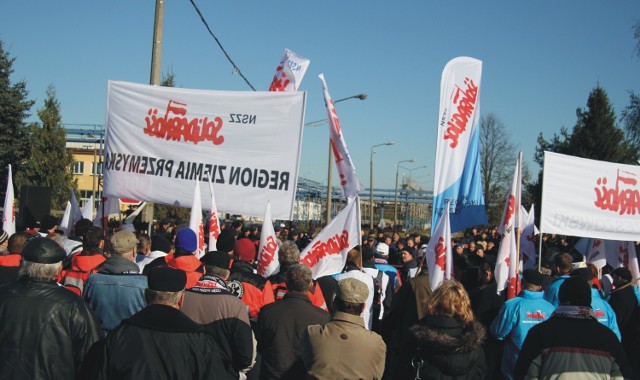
{"type": "Point", "coordinates": [540, 61]}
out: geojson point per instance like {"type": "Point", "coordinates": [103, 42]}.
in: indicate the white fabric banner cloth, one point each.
{"type": "Point", "coordinates": [439, 253]}
{"type": "Point", "coordinates": [161, 139]}
{"type": "Point", "coordinates": [589, 198]}
{"type": "Point", "coordinates": [9, 214]}
{"type": "Point", "coordinates": [268, 262]}
{"type": "Point", "coordinates": [289, 72]}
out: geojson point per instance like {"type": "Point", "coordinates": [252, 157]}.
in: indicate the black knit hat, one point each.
{"type": "Point", "coordinates": [167, 279]}
{"type": "Point", "coordinates": [159, 243]}
{"type": "Point", "coordinates": [217, 259]}
{"type": "Point", "coordinates": [48, 222]}
{"type": "Point", "coordinates": [532, 276]}
{"type": "Point", "coordinates": [226, 241]}
{"type": "Point", "coordinates": [575, 291]}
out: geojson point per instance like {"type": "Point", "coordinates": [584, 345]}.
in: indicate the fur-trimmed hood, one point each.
{"type": "Point", "coordinates": [444, 343]}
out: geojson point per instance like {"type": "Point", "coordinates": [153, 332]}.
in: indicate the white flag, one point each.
{"type": "Point", "coordinates": [289, 72]}
{"type": "Point", "coordinates": [9, 214]}
{"type": "Point", "coordinates": [527, 239]}
{"type": "Point", "coordinates": [327, 252]}
{"type": "Point", "coordinates": [195, 221]}
{"type": "Point", "coordinates": [596, 253]}
{"type": "Point", "coordinates": [439, 253]}
{"type": "Point", "coordinates": [268, 262]}
{"type": "Point", "coordinates": [107, 206]}
{"type": "Point", "coordinates": [76, 212]}
{"type": "Point", "coordinates": [633, 262]}
{"type": "Point", "coordinates": [87, 210]}
{"type": "Point", "coordinates": [66, 224]}
{"type": "Point", "coordinates": [214, 222]}
{"type": "Point", "coordinates": [351, 185]}
{"type": "Point", "coordinates": [129, 219]}
{"type": "Point", "coordinates": [507, 260]}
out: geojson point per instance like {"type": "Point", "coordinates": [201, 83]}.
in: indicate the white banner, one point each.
{"type": "Point", "coordinates": [457, 173]}
{"type": "Point", "coordinates": [349, 181]}
{"type": "Point", "coordinates": [439, 253]}
{"type": "Point", "coordinates": [9, 213]}
{"type": "Point", "coordinates": [327, 252]}
{"type": "Point", "coordinates": [268, 262]}
{"type": "Point", "coordinates": [289, 72]}
{"type": "Point", "coordinates": [161, 139]}
{"type": "Point", "coordinates": [589, 198]}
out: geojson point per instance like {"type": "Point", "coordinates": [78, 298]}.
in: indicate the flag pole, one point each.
{"type": "Point", "coordinates": [518, 221]}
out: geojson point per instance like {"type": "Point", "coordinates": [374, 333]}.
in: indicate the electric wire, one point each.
{"type": "Point", "coordinates": [235, 67]}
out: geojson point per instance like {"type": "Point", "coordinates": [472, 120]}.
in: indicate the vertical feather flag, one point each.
{"type": "Point", "coordinates": [195, 220]}
{"type": "Point", "coordinates": [439, 252]}
{"type": "Point", "coordinates": [457, 172]}
{"type": "Point", "coordinates": [506, 271]}
{"type": "Point", "coordinates": [327, 252]}
{"type": "Point", "coordinates": [289, 72]}
{"type": "Point", "coordinates": [527, 239]}
{"type": "Point", "coordinates": [9, 214]}
{"type": "Point", "coordinates": [268, 263]}
{"type": "Point", "coordinates": [349, 181]}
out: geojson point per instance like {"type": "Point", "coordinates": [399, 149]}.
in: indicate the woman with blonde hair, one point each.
{"type": "Point", "coordinates": [446, 343]}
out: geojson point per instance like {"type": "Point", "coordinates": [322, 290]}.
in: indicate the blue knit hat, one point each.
{"type": "Point", "coordinates": [186, 240]}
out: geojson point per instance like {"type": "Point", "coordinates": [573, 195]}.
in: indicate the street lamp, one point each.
{"type": "Point", "coordinates": [395, 202]}
{"type": "Point", "coordinates": [371, 182]}
{"type": "Point", "coordinates": [330, 166]}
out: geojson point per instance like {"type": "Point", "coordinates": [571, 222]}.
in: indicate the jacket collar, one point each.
{"type": "Point", "coordinates": [295, 295]}
{"type": "Point", "coordinates": [119, 265]}
{"type": "Point", "coordinates": [163, 318]}
{"type": "Point", "coordinates": [350, 318]}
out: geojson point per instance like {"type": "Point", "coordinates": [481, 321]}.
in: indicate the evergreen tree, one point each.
{"type": "Point", "coordinates": [49, 163]}
{"type": "Point", "coordinates": [14, 109]}
{"type": "Point", "coordinates": [631, 119]}
{"type": "Point", "coordinates": [595, 136]}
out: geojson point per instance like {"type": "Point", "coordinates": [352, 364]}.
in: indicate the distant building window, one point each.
{"type": "Point", "coordinates": [96, 166]}
{"type": "Point", "coordinates": [78, 167]}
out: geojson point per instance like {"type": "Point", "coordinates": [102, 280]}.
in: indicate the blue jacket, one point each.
{"type": "Point", "coordinates": [516, 317]}
{"type": "Point", "coordinates": [551, 293]}
{"type": "Point", "coordinates": [604, 313]}
{"type": "Point", "coordinates": [116, 292]}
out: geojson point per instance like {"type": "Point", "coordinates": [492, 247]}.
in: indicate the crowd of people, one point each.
{"type": "Point", "coordinates": [121, 304]}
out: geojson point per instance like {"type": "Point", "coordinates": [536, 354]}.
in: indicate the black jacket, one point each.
{"type": "Point", "coordinates": [281, 324]}
{"type": "Point", "coordinates": [159, 342]}
{"type": "Point", "coordinates": [446, 348]}
{"type": "Point", "coordinates": [45, 331]}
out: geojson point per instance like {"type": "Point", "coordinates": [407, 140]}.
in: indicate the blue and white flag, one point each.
{"type": "Point", "coordinates": [457, 173]}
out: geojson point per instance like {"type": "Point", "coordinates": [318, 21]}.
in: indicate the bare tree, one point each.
{"type": "Point", "coordinates": [497, 159]}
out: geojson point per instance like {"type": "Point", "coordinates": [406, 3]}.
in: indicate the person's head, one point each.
{"type": "Point", "coordinates": [289, 253]}
{"type": "Point", "coordinates": [166, 286]}
{"type": "Point", "coordinates": [351, 296]}
{"type": "Point", "coordinates": [479, 252]}
{"type": "Point", "coordinates": [16, 241]}
{"type": "Point", "coordinates": [244, 250]}
{"type": "Point", "coordinates": [4, 237]}
{"type": "Point", "coordinates": [395, 237]}
{"type": "Point", "coordinates": [575, 291]}
{"type": "Point", "coordinates": [621, 276]}
{"type": "Point", "coordinates": [490, 245]}
{"type": "Point", "coordinates": [226, 241]}
{"type": "Point", "coordinates": [186, 241]}
{"type": "Point", "coordinates": [144, 244]}
{"type": "Point", "coordinates": [93, 238]}
{"type": "Point", "coordinates": [563, 263]}
{"type": "Point", "coordinates": [485, 274]}
{"type": "Point", "coordinates": [367, 253]}
{"type": "Point", "coordinates": [217, 263]}
{"type": "Point", "coordinates": [459, 250]}
{"type": "Point", "coordinates": [411, 243]}
{"type": "Point", "coordinates": [532, 280]}
{"type": "Point", "coordinates": [382, 249]}
{"type": "Point", "coordinates": [299, 279]}
{"type": "Point", "coordinates": [82, 226]}
{"type": "Point", "coordinates": [49, 223]}
{"type": "Point", "coordinates": [354, 257]}
{"type": "Point", "coordinates": [584, 273]}
{"type": "Point", "coordinates": [472, 246]}
{"type": "Point", "coordinates": [237, 225]}
{"type": "Point", "coordinates": [387, 240]}
{"type": "Point", "coordinates": [124, 244]}
{"type": "Point", "coordinates": [450, 300]}
{"type": "Point", "coordinates": [407, 254]}
{"type": "Point", "coordinates": [41, 259]}
{"type": "Point", "coordinates": [164, 224]}
{"type": "Point", "coordinates": [159, 243]}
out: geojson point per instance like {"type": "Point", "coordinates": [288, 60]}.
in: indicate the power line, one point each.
{"type": "Point", "coordinates": [235, 68]}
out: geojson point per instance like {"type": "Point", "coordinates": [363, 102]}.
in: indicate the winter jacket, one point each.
{"type": "Point", "coordinates": [159, 343]}
{"type": "Point", "coordinates": [9, 267]}
{"type": "Point", "coordinates": [444, 349]}
{"type": "Point", "coordinates": [571, 348]}
{"type": "Point", "coordinates": [279, 286]}
{"type": "Point", "coordinates": [516, 317]}
{"type": "Point", "coordinates": [280, 327]}
{"type": "Point", "coordinates": [180, 260]}
{"type": "Point", "coordinates": [82, 264]}
{"type": "Point", "coordinates": [551, 292]}
{"type": "Point", "coordinates": [604, 313]}
{"type": "Point", "coordinates": [343, 349]}
{"type": "Point", "coordinates": [116, 292]}
{"type": "Point", "coordinates": [45, 332]}
{"type": "Point", "coordinates": [225, 317]}
{"type": "Point", "coordinates": [252, 289]}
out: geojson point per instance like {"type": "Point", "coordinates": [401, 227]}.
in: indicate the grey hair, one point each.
{"type": "Point", "coordinates": [164, 298]}
{"type": "Point", "coordinates": [289, 253]}
{"type": "Point", "coordinates": [38, 271]}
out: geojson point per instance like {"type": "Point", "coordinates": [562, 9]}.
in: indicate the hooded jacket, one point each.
{"type": "Point", "coordinates": [80, 267]}
{"type": "Point", "coordinates": [446, 349]}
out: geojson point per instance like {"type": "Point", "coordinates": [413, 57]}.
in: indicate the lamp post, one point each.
{"type": "Point", "coordinates": [330, 166]}
{"type": "Point", "coordinates": [395, 201]}
{"type": "Point", "coordinates": [371, 182]}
